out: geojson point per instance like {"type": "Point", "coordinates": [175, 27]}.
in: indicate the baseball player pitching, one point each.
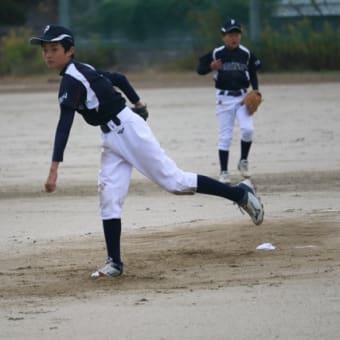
{"type": "Point", "coordinates": [234, 68]}
{"type": "Point", "coordinates": [127, 142]}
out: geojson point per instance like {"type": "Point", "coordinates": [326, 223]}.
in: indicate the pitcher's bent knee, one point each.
{"type": "Point", "coordinates": [183, 183]}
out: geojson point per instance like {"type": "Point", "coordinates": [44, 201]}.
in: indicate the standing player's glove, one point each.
{"type": "Point", "coordinates": [141, 111]}
{"type": "Point", "coordinates": [252, 101]}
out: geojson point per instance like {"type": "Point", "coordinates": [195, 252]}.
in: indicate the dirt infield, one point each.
{"type": "Point", "coordinates": [188, 257]}
{"type": "Point", "coordinates": [192, 268]}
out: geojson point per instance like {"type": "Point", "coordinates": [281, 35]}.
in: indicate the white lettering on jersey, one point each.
{"type": "Point", "coordinates": [62, 97]}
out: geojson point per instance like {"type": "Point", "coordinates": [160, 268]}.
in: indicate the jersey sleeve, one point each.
{"type": "Point", "coordinates": [120, 81]}
{"type": "Point", "coordinates": [62, 133]}
{"type": "Point", "coordinates": [254, 65]}
{"type": "Point", "coordinates": [204, 64]}
{"type": "Point", "coordinates": [71, 93]}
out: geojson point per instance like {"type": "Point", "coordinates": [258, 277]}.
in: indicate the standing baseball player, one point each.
{"type": "Point", "coordinates": [127, 142]}
{"type": "Point", "coordinates": [234, 68]}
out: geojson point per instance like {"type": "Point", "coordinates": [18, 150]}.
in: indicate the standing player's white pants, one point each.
{"type": "Point", "coordinates": [132, 144]}
{"type": "Point", "coordinates": [229, 108]}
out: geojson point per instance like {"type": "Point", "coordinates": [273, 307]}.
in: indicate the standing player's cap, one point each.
{"type": "Point", "coordinates": [231, 25]}
{"type": "Point", "coordinates": [54, 33]}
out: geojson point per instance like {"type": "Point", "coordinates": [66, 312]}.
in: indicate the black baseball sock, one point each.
{"type": "Point", "coordinates": [223, 157]}
{"type": "Point", "coordinates": [245, 148]}
{"type": "Point", "coordinates": [112, 232]}
{"type": "Point", "coordinates": [209, 186]}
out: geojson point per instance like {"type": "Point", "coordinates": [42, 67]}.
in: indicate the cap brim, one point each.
{"type": "Point", "coordinates": [36, 41]}
{"type": "Point", "coordinates": [231, 29]}
{"type": "Point", "coordinates": [39, 41]}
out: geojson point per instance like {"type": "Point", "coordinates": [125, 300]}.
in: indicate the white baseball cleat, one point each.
{"type": "Point", "coordinates": [110, 269]}
{"type": "Point", "coordinates": [224, 177]}
{"type": "Point", "coordinates": [250, 203]}
{"type": "Point", "coordinates": [243, 167]}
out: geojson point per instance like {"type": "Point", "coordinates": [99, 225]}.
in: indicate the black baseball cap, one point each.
{"type": "Point", "coordinates": [231, 25]}
{"type": "Point", "coordinates": [54, 33]}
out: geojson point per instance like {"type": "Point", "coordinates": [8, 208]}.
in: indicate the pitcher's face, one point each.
{"type": "Point", "coordinates": [55, 56]}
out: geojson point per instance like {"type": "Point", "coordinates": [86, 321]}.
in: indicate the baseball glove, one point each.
{"type": "Point", "coordinates": [141, 111]}
{"type": "Point", "coordinates": [252, 101]}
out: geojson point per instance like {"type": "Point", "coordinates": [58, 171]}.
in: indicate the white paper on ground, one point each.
{"type": "Point", "coordinates": [265, 246]}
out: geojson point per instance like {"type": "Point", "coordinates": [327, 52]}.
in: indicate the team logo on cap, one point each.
{"type": "Point", "coordinates": [46, 28]}
{"type": "Point", "coordinates": [232, 21]}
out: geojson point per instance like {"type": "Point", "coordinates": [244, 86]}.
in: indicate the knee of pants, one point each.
{"type": "Point", "coordinates": [183, 183]}
{"type": "Point", "coordinates": [247, 134]}
{"type": "Point", "coordinates": [224, 143]}
{"type": "Point", "coordinates": [110, 203]}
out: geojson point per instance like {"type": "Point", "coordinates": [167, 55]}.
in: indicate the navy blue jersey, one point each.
{"type": "Point", "coordinates": [91, 93]}
{"type": "Point", "coordinates": [238, 70]}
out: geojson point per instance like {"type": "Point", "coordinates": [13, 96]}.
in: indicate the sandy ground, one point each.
{"type": "Point", "coordinates": [192, 268]}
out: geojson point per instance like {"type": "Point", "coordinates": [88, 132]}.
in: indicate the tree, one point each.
{"type": "Point", "coordinates": [13, 12]}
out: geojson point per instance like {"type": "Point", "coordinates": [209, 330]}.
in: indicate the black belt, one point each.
{"type": "Point", "coordinates": [232, 93]}
{"type": "Point", "coordinates": [106, 129]}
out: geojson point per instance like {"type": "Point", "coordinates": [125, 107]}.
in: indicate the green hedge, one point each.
{"type": "Point", "coordinates": [299, 47]}
{"type": "Point", "coordinates": [17, 56]}
{"type": "Point", "coordinates": [296, 47]}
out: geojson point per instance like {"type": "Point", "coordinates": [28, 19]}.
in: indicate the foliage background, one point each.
{"type": "Point", "coordinates": [144, 34]}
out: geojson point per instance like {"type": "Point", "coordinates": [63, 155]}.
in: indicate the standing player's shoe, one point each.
{"type": "Point", "coordinates": [110, 269]}
{"type": "Point", "coordinates": [250, 203]}
{"type": "Point", "coordinates": [243, 168]}
{"type": "Point", "coordinates": [224, 177]}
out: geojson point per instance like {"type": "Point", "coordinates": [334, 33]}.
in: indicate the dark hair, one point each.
{"type": "Point", "coordinates": [66, 44]}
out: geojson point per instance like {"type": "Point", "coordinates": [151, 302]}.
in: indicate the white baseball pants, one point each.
{"type": "Point", "coordinates": [132, 144]}
{"type": "Point", "coordinates": [229, 108]}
